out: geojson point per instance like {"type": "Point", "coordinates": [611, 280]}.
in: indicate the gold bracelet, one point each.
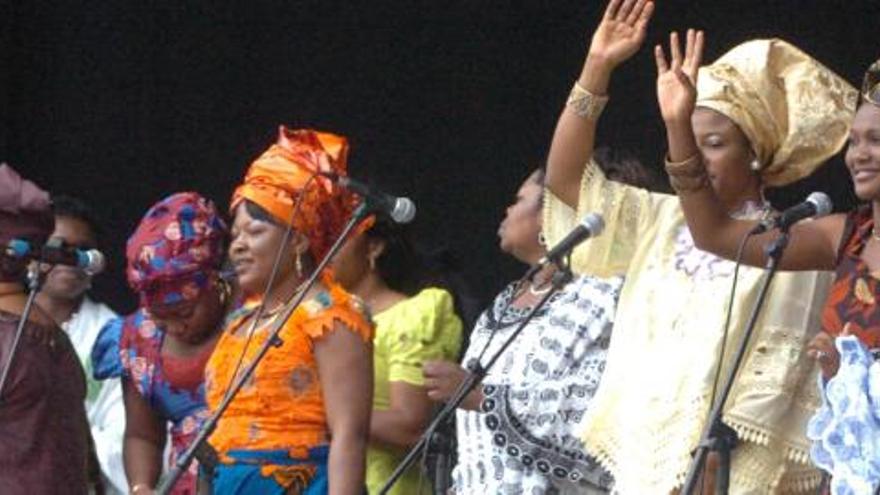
{"type": "Point", "coordinates": [585, 104]}
{"type": "Point", "coordinates": [688, 175]}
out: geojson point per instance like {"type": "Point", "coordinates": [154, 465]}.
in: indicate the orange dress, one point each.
{"type": "Point", "coordinates": [281, 407]}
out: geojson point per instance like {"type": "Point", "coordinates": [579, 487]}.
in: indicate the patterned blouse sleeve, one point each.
{"type": "Point", "coordinates": [627, 212]}
{"type": "Point", "coordinates": [333, 310]}
{"type": "Point", "coordinates": [428, 329]}
{"type": "Point", "coordinates": [106, 362]}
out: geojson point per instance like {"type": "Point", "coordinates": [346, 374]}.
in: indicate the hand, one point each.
{"type": "Point", "coordinates": [622, 30]}
{"type": "Point", "coordinates": [677, 82]}
{"type": "Point", "coordinates": [822, 349]}
{"type": "Point", "coordinates": [442, 379]}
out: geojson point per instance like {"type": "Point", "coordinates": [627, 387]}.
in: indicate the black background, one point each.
{"type": "Point", "coordinates": [451, 103]}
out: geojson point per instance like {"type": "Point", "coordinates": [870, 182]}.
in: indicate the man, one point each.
{"type": "Point", "coordinates": [64, 298]}
{"type": "Point", "coordinates": [44, 433]}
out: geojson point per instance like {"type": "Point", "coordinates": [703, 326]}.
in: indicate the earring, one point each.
{"type": "Point", "coordinates": [755, 165]}
{"type": "Point", "coordinates": [372, 263]}
{"type": "Point", "coordinates": [299, 265]}
{"type": "Point", "coordinates": [542, 240]}
{"type": "Point", "coordinates": [224, 290]}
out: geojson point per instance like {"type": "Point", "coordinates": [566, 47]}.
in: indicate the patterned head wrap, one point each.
{"type": "Point", "coordinates": [794, 111]}
{"type": "Point", "coordinates": [286, 174]}
{"type": "Point", "coordinates": [25, 209]}
{"type": "Point", "coordinates": [871, 84]}
{"type": "Point", "coordinates": [175, 249]}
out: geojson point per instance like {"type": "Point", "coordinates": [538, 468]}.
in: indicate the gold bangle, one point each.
{"type": "Point", "coordinates": [585, 104]}
{"type": "Point", "coordinates": [687, 175]}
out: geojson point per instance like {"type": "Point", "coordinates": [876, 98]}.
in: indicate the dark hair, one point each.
{"type": "Point", "coordinates": [75, 208]}
{"type": "Point", "coordinates": [408, 268]}
{"type": "Point", "coordinates": [623, 166]}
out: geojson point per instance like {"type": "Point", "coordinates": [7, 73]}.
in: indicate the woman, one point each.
{"type": "Point", "coordinates": [414, 324]}
{"type": "Point", "coordinates": [846, 429]}
{"type": "Point", "coordinates": [44, 433]}
{"type": "Point", "coordinates": [300, 423]}
{"type": "Point", "coordinates": [672, 311]}
{"type": "Point", "coordinates": [517, 432]}
{"type": "Point", "coordinates": [160, 350]}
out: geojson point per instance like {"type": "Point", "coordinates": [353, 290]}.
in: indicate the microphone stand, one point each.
{"type": "Point", "coordinates": [717, 436]}
{"type": "Point", "coordinates": [35, 280]}
{"type": "Point", "coordinates": [476, 374]}
{"type": "Point", "coordinates": [199, 447]}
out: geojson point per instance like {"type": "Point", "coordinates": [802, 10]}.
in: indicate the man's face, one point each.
{"type": "Point", "coordinates": [67, 282]}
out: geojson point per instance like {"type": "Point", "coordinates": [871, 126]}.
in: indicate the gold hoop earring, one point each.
{"type": "Point", "coordinates": [542, 240]}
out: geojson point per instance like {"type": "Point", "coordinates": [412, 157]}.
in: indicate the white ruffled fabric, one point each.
{"type": "Point", "coordinates": [846, 430]}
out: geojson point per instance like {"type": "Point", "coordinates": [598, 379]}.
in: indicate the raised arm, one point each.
{"type": "Point", "coordinates": [618, 37]}
{"type": "Point", "coordinates": [813, 245]}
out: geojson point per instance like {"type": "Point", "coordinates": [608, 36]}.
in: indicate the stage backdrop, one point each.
{"type": "Point", "coordinates": [449, 103]}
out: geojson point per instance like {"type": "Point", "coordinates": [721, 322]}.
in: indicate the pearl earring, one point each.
{"type": "Point", "coordinates": [755, 165]}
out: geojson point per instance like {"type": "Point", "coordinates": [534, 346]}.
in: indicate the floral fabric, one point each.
{"type": "Point", "coordinates": [130, 348]}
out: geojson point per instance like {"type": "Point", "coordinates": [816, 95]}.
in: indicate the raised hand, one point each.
{"type": "Point", "coordinates": [677, 78]}
{"type": "Point", "coordinates": [622, 30]}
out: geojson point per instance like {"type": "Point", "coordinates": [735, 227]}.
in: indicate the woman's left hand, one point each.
{"type": "Point", "coordinates": [677, 78]}
{"type": "Point", "coordinates": [622, 30]}
{"type": "Point", "coordinates": [822, 349]}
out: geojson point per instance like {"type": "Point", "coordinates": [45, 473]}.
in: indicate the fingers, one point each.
{"type": "Point", "coordinates": [625, 10]}
{"type": "Point", "coordinates": [696, 59]}
{"type": "Point", "coordinates": [611, 11]}
{"type": "Point", "coordinates": [689, 45]}
{"type": "Point", "coordinates": [660, 59]}
{"type": "Point", "coordinates": [642, 22]}
{"type": "Point", "coordinates": [636, 12]}
{"type": "Point", "coordinates": [674, 51]}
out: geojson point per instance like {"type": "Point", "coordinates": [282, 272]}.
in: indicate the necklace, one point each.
{"type": "Point", "coordinates": [544, 288]}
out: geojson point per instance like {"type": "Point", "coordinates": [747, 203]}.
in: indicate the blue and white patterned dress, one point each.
{"type": "Point", "coordinates": [525, 439]}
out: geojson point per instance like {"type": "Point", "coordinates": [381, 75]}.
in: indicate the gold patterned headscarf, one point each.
{"type": "Point", "coordinates": [794, 111]}
{"type": "Point", "coordinates": [871, 84]}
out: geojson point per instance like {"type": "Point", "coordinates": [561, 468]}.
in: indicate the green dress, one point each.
{"type": "Point", "coordinates": [418, 329]}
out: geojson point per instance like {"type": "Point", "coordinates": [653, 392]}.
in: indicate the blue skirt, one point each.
{"type": "Point", "coordinates": [243, 477]}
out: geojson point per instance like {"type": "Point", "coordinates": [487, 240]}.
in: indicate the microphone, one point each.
{"type": "Point", "coordinates": [591, 226]}
{"type": "Point", "coordinates": [19, 249]}
{"type": "Point", "coordinates": [817, 204]}
{"type": "Point", "coordinates": [55, 252]}
{"type": "Point", "coordinates": [400, 209]}
{"type": "Point", "coordinates": [90, 261]}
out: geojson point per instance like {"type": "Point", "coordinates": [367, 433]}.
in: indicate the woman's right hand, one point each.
{"type": "Point", "coordinates": [442, 379]}
{"type": "Point", "coordinates": [622, 30]}
{"type": "Point", "coordinates": [677, 78]}
{"type": "Point", "coordinates": [822, 349]}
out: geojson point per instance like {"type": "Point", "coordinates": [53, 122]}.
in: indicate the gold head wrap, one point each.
{"type": "Point", "coordinates": [871, 84]}
{"type": "Point", "coordinates": [287, 173]}
{"type": "Point", "coordinates": [794, 111]}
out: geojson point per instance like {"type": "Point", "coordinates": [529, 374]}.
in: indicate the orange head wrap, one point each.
{"type": "Point", "coordinates": [286, 174]}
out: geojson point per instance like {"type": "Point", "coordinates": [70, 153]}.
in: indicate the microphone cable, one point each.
{"type": "Point", "coordinates": [739, 255]}
{"type": "Point", "coordinates": [270, 283]}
